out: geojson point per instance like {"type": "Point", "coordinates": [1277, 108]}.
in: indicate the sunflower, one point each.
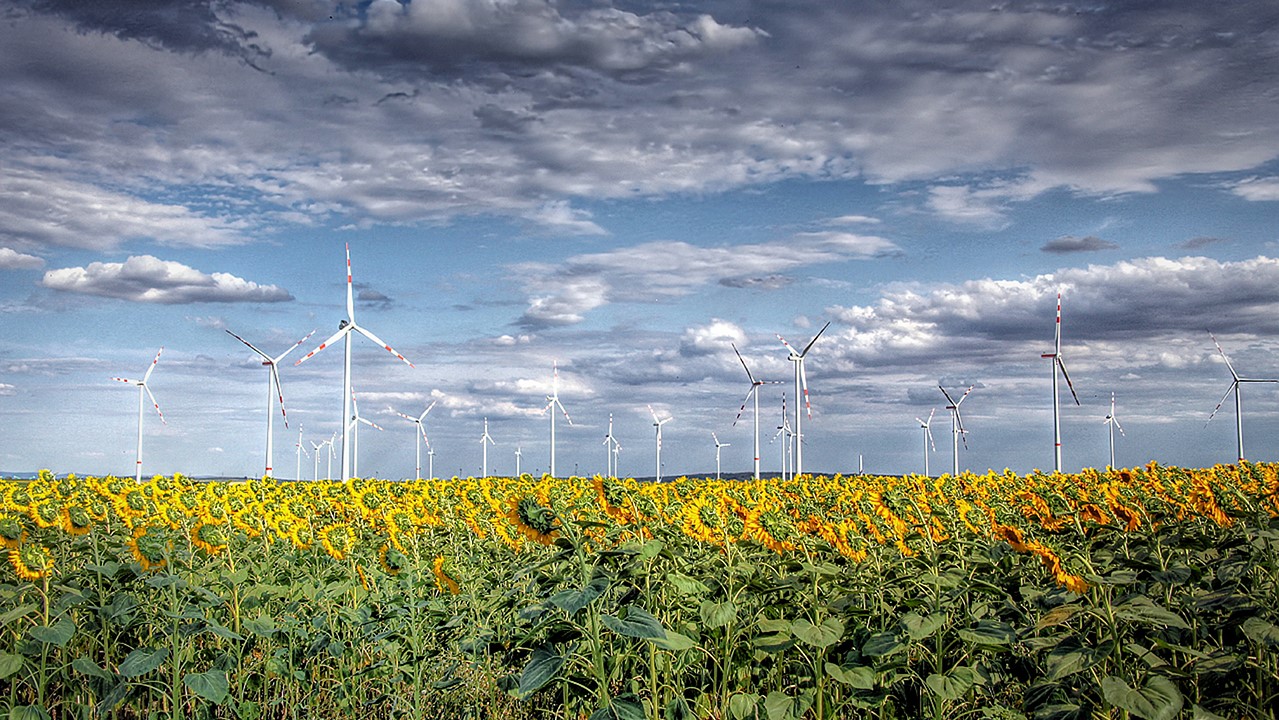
{"type": "Point", "coordinates": [18, 499]}
{"type": "Point", "coordinates": [209, 537]}
{"type": "Point", "coordinates": [391, 559]}
{"type": "Point", "coordinates": [150, 545]}
{"type": "Point", "coordinates": [46, 513]}
{"type": "Point", "coordinates": [302, 535]}
{"type": "Point", "coordinates": [76, 519]}
{"type": "Point", "coordinates": [11, 532]}
{"type": "Point", "coordinates": [337, 540]}
{"type": "Point", "coordinates": [442, 578]}
{"type": "Point", "coordinates": [30, 561]}
{"type": "Point", "coordinates": [535, 521]}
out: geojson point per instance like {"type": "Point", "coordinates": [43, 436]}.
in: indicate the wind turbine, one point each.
{"type": "Point", "coordinates": [420, 421]}
{"type": "Point", "coordinates": [345, 328]}
{"type": "Point", "coordinates": [610, 455]}
{"type": "Point", "coordinates": [719, 445]}
{"type": "Point", "coordinates": [273, 390]}
{"type": "Point", "coordinates": [956, 426]}
{"type": "Point", "coordinates": [658, 424]}
{"type": "Point", "coordinates": [354, 427]}
{"type": "Point", "coordinates": [142, 387]}
{"type": "Point", "coordinates": [1234, 387]}
{"type": "Point", "coordinates": [328, 471]}
{"type": "Point", "coordinates": [485, 441]}
{"type": "Point", "coordinates": [1055, 355]}
{"type": "Point", "coordinates": [297, 474]}
{"type": "Point", "coordinates": [1113, 422]}
{"type": "Point", "coordinates": [430, 462]}
{"type": "Point", "coordinates": [801, 383]}
{"type": "Point", "coordinates": [518, 455]}
{"type": "Point", "coordinates": [754, 391]}
{"type": "Point", "coordinates": [315, 471]}
{"type": "Point", "coordinates": [928, 437]}
{"type": "Point", "coordinates": [552, 402]}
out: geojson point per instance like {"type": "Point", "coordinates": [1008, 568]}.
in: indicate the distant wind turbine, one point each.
{"type": "Point", "coordinates": [801, 384]}
{"type": "Point", "coordinates": [273, 391]}
{"type": "Point", "coordinates": [956, 426]}
{"type": "Point", "coordinates": [518, 454]}
{"type": "Point", "coordinates": [142, 387]}
{"type": "Point", "coordinates": [928, 437]}
{"type": "Point", "coordinates": [552, 402]}
{"type": "Point", "coordinates": [785, 432]}
{"type": "Point", "coordinates": [354, 428]}
{"type": "Point", "coordinates": [610, 456]}
{"type": "Point", "coordinates": [1234, 387]}
{"type": "Point", "coordinates": [658, 424]}
{"type": "Point", "coordinates": [430, 462]}
{"type": "Point", "coordinates": [315, 448]}
{"type": "Point", "coordinates": [485, 441]}
{"type": "Point", "coordinates": [297, 474]}
{"type": "Point", "coordinates": [753, 392]}
{"type": "Point", "coordinates": [420, 435]}
{"type": "Point", "coordinates": [345, 328]}
{"type": "Point", "coordinates": [719, 445]}
{"type": "Point", "coordinates": [1113, 422]}
{"type": "Point", "coordinates": [1055, 355]}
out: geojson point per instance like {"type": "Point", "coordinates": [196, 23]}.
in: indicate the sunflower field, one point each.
{"type": "Point", "coordinates": [1147, 593]}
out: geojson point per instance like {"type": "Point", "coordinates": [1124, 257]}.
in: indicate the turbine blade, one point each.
{"type": "Point", "coordinates": [332, 339]}
{"type": "Point", "coordinates": [561, 406]}
{"type": "Point", "coordinates": [744, 402]}
{"type": "Point", "coordinates": [1118, 427]}
{"type": "Point", "coordinates": [294, 346]}
{"type": "Point", "coordinates": [1057, 342]}
{"type": "Point", "coordinates": [151, 369]}
{"type": "Point", "coordinates": [949, 399]}
{"type": "Point", "coordinates": [368, 422]}
{"type": "Point", "coordinates": [350, 292]}
{"type": "Point", "coordinates": [425, 439]}
{"type": "Point", "coordinates": [788, 347]}
{"type": "Point", "coordinates": [814, 340]}
{"type": "Point", "coordinates": [246, 342]}
{"type": "Point", "coordinates": [651, 412]}
{"type": "Point", "coordinates": [965, 395]}
{"type": "Point", "coordinates": [279, 392]}
{"type": "Point", "coordinates": [406, 417]}
{"type": "Point", "coordinates": [743, 361]}
{"type": "Point", "coordinates": [1233, 374]}
{"type": "Point", "coordinates": [803, 383]}
{"type": "Point", "coordinates": [427, 411]}
{"type": "Point", "coordinates": [930, 416]}
{"type": "Point", "coordinates": [929, 433]}
{"type": "Point", "coordinates": [1233, 385]}
{"type": "Point", "coordinates": [1065, 374]}
{"type": "Point", "coordinates": [124, 380]}
{"type": "Point", "coordinates": [155, 405]}
{"type": "Point", "coordinates": [378, 340]}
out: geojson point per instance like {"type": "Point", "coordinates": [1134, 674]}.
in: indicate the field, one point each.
{"type": "Point", "coordinates": [1145, 593]}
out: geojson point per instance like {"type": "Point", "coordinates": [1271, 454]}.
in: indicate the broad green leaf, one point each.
{"type": "Point", "coordinates": [10, 664]}
{"type": "Point", "coordinates": [1142, 609]}
{"type": "Point", "coordinates": [19, 612]}
{"type": "Point", "coordinates": [651, 549]}
{"type": "Point", "coordinates": [953, 684]}
{"type": "Point", "coordinates": [211, 685]}
{"type": "Point", "coordinates": [262, 626]}
{"type": "Point", "coordinates": [1261, 632]}
{"type": "Point", "coordinates": [717, 615]}
{"type": "Point", "coordinates": [1072, 655]}
{"type": "Point", "coordinates": [819, 636]}
{"type": "Point", "coordinates": [143, 661]}
{"type": "Point", "coordinates": [1159, 699]}
{"type": "Point", "coordinates": [28, 712]}
{"type": "Point", "coordinates": [58, 633]}
{"type": "Point", "coordinates": [1057, 616]}
{"type": "Point", "coordinates": [860, 677]}
{"type": "Point", "coordinates": [625, 707]}
{"type": "Point", "coordinates": [685, 585]}
{"type": "Point", "coordinates": [223, 632]}
{"type": "Point", "coordinates": [571, 601]}
{"type": "Point", "coordinates": [742, 705]}
{"type": "Point", "coordinates": [989, 632]}
{"type": "Point", "coordinates": [780, 706]}
{"type": "Point", "coordinates": [639, 623]}
{"type": "Point", "coordinates": [86, 666]}
{"type": "Point", "coordinates": [675, 641]}
{"type": "Point", "coordinates": [881, 644]}
{"type": "Point", "coordinates": [236, 578]}
{"type": "Point", "coordinates": [677, 709]}
{"type": "Point", "coordinates": [918, 627]}
{"type": "Point", "coordinates": [1201, 713]}
{"type": "Point", "coordinates": [542, 667]}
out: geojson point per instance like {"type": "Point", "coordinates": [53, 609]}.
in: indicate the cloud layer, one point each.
{"type": "Point", "coordinates": [148, 279]}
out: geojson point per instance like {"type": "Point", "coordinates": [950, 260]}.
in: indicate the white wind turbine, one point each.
{"type": "Point", "coordinates": [610, 447]}
{"type": "Point", "coordinates": [273, 391]}
{"type": "Point", "coordinates": [430, 462]}
{"type": "Point", "coordinates": [1234, 387]}
{"type": "Point", "coordinates": [1113, 422]}
{"type": "Point", "coordinates": [315, 448]}
{"type": "Point", "coordinates": [785, 432]}
{"type": "Point", "coordinates": [1055, 355]}
{"type": "Point", "coordinates": [518, 454]}
{"type": "Point", "coordinates": [552, 402]}
{"type": "Point", "coordinates": [485, 441]}
{"type": "Point", "coordinates": [345, 328]}
{"type": "Point", "coordinates": [354, 428]}
{"type": "Point", "coordinates": [928, 437]}
{"type": "Point", "coordinates": [142, 387]}
{"type": "Point", "coordinates": [719, 445]}
{"type": "Point", "coordinates": [801, 384]}
{"type": "Point", "coordinates": [420, 421]}
{"type": "Point", "coordinates": [956, 427]}
{"type": "Point", "coordinates": [658, 424]}
{"type": "Point", "coordinates": [328, 470]}
{"type": "Point", "coordinates": [754, 391]}
{"type": "Point", "coordinates": [297, 474]}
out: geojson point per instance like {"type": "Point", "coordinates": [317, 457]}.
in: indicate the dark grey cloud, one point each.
{"type": "Point", "coordinates": [147, 279]}
{"type": "Point", "coordinates": [1068, 244]}
{"type": "Point", "coordinates": [764, 282]}
{"type": "Point", "coordinates": [1196, 243]}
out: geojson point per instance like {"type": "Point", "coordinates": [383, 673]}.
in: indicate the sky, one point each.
{"type": "Point", "coordinates": [629, 190]}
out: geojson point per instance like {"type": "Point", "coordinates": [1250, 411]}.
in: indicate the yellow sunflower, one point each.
{"type": "Point", "coordinates": [337, 540]}
{"type": "Point", "coordinates": [30, 561]}
{"type": "Point", "coordinates": [11, 532]}
{"type": "Point", "coordinates": [76, 520]}
{"type": "Point", "coordinates": [150, 545]}
{"type": "Point", "coordinates": [442, 578]}
{"type": "Point", "coordinates": [535, 521]}
{"type": "Point", "coordinates": [209, 537]}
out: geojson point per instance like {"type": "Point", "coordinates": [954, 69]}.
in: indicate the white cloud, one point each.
{"type": "Point", "coordinates": [1257, 189]}
{"type": "Point", "coordinates": [716, 337]}
{"type": "Point", "coordinates": [150, 280]}
{"type": "Point", "coordinates": [561, 217]}
{"type": "Point", "coordinates": [7, 390]}
{"type": "Point", "coordinates": [11, 259]}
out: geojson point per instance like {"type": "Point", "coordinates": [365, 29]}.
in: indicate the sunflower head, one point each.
{"type": "Point", "coordinates": [444, 576]}
{"type": "Point", "coordinates": [76, 519]}
{"type": "Point", "coordinates": [534, 521]}
{"type": "Point", "coordinates": [302, 535]}
{"type": "Point", "coordinates": [337, 540]}
{"type": "Point", "coordinates": [150, 546]}
{"type": "Point", "coordinates": [392, 560]}
{"type": "Point", "coordinates": [209, 537]}
{"type": "Point", "coordinates": [31, 561]}
{"type": "Point", "coordinates": [11, 531]}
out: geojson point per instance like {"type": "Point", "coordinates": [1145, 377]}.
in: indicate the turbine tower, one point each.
{"type": "Point", "coordinates": [1057, 363]}
{"type": "Point", "coordinates": [430, 462]}
{"type": "Point", "coordinates": [928, 438]}
{"type": "Point", "coordinates": [1113, 422]}
{"type": "Point", "coordinates": [315, 469]}
{"type": "Point", "coordinates": [518, 455]}
{"type": "Point", "coordinates": [658, 424]}
{"type": "Point", "coordinates": [801, 384]}
{"type": "Point", "coordinates": [345, 328]}
{"type": "Point", "coordinates": [785, 432]}
{"type": "Point", "coordinates": [1234, 387]}
{"type": "Point", "coordinates": [419, 436]}
{"type": "Point", "coordinates": [354, 428]}
{"type": "Point", "coordinates": [485, 441]}
{"type": "Point", "coordinates": [273, 390]}
{"type": "Point", "coordinates": [142, 387]}
{"type": "Point", "coordinates": [719, 445]}
{"type": "Point", "coordinates": [297, 474]}
{"type": "Point", "coordinates": [956, 427]}
{"type": "Point", "coordinates": [610, 454]}
{"type": "Point", "coordinates": [552, 402]}
{"type": "Point", "coordinates": [753, 392]}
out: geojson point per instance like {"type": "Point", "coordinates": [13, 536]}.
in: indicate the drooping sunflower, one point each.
{"type": "Point", "coordinates": [150, 545]}
{"type": "Point", "coordinates": [209, 537]}
{"type": "Point", "coordinates": [302, 535]}
{"type": "Point", "coordinates": [443, 579]}
{"type": "Point", "coordinates": [337, 540]}
{"type": "Point", "coordinates": [534, 520]}
{"type": "Point", "coordinates": [391, 559]}
{"type": "Point", "coordinates": [31, 561]}
{"type": "Point", "coordinates": [46, 513]}
{"type": "Point", "coordinates": [76, 520]}
{"type": "Point", "coordinates": [11, 532]}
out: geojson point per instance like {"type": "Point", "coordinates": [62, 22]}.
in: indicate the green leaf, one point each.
{"type": "Point", "coordinates": [19, 612]}
{"type": "Point", "coordinates": [1261, 632]}
{"type": "Point", "coordinates": [859, 677]}
{"type": "Point", "coordinates": [236, 578]}
{"type": "Point", "coordinates": [624, 707]}
{"type": "Point", "coordinates": [819, 636]}
{"type": "Point", "coordinates": [881, 644]}
{"type": "Point", "coordinates": [542, 667]}
{"type": "Point", "coordinates": [675, 641]}
{"type": "Point", "coordinates": [717, 615]}
{"type": "Point", "coordinates": [571, 601]}
{"type": "Point", "coordinates": [742, 705]}
{"type": "Point", "coordinates": [86, 666]}
{"type": "Point", "coordinates": [1159, 699]}
{"type": "Point", "coordinates": [953, 684]}
{"type": "Point", "coordinates": [685, 585]}
{"type": "Point", "coordinates": [211, 685]}
{"type": "Point", "coordinates": [143, 661]}
{"type": "Point", "coordinates": [28, 712]}
{"type": "Point", "coordinates": [651, 549]}
{"type": "Point", "coordinates": [58, 633]}
{"type": "Point", "coordinates": [1142, 609]}
{"type": "Point", "coordinates": [780, 706]}
{"type": "Point", "coordinates": [989, 632]}
{"type": "Point", "coordinates": [677, 709]}
{"type": "Point", "coordinates": [10, 664]}
{"type": "Point", "coordinates": [262, 626]}
{"type": "Point", "coordinates": [639, 623]}
{"type": "Point", "coordinates": [1073, 654]}
{"type": "Point", "coordinates": [918, 627]}
{"type": "Point", "coordinates": [223, 632]}
{"type": "Point", "coordinates": [1201, 713]}
{"type": "Point", "coordinates": [1057, 616]}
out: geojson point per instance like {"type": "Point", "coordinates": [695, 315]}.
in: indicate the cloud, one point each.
{"type": "Point", "coordinates": [213, 322]}
{"type": "Point", "coordinates": [1068, 244]}
{"type": "Point", "coordinates": [148, 279]}
{"type": "Point", "coordinates": [766, 282]}
{"type": "Point", "coordinates": [651, 272]}
{"type": "Point", "coordinates": [1196, 243]}
{"type": "Point", "coordinates": [1257, 189]}
{"type": "Point", "coordinates": [7, 390]}
{"type": "Point", "coordinates": [715, 338]}
{"type": "Point", "coordinates": [853, 220]}
{"type": "Point", "coordinates": [562, 218]}
{"type": "Point", "coordinates": [11, 259]}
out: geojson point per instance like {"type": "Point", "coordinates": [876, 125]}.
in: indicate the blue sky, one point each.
{"type": "Point", "coordinates": [629, 189]}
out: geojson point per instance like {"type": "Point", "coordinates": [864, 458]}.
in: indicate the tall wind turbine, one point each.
{"type": "Point", "coordinates": [801, 384]}
{"type": "Point", "coordinates": [354, 427]}
{"type": "Point", "coordinates": [658, 424]}
{"type": "Point", "coordinates": [1055, 355]}
{"type": "Point", "coordinates": [785, 432]}
{"type": "Point", "coordinates": [753, 392]}
{"type": "Point", "coordinates": [552, 402]}
{"type": "Point", "coordinates": [956, 427]}
{"type": "Point", "coordinates": [297, 474]}
{"type": "Point", "coordinates": [315, 448]}
{"type": "Point", "coordinates": [1113, 422]}
{"type": "Point", "coordinates": [1234, 387]}
{"type": "Point", "coordinates": [430, 462]}
{"type": "Point", "coordinates": [719, 445]}
{"type": "Point", "coordinates": [610, 456]}
{"type": "Point", "coordinates": [485, 441]}
{"type": "Point", "coordinates": [928, 437]}
{"type": "Point", "coordinates": [142, 387]}
{"type": "Point", "coordinates": [273, 390]}
{"type": "Point", "coordinates": [328, 468]}
{"type": "Point", "coordinates": [420, 421]}
{"type": "Point", "coordinates": [345, 328]}
{"type": "Point", "coordinates": [518, 454]}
